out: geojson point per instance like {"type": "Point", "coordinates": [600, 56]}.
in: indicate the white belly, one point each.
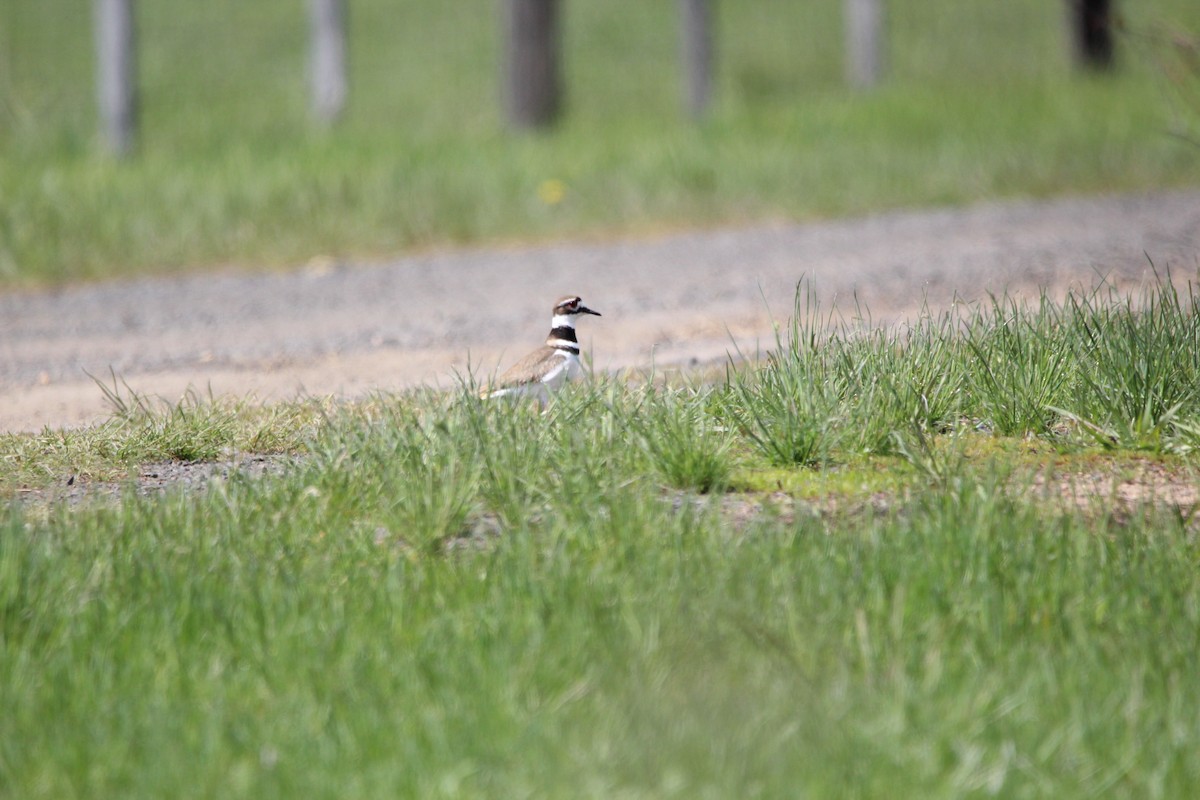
{"type": "Point", "coordinates": [566, 367]}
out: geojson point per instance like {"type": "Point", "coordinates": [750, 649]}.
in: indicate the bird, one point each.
{"type": "Point", "coordinates": [551, 365]}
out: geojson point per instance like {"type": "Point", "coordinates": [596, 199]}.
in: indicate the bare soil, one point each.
{"type": "Point", "coordinates": [345, 330]}
{"type": "Point", "coordinates": [148, 480]}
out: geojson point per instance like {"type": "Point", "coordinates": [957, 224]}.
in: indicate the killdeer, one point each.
{"type": "Point", "coordinates": [552, 364]}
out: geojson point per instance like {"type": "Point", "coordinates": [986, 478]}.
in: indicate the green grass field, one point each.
{"type": "Point", "coordinates": [867, 566]}
{"type": "Point", "coordinates": [980, 102]}
{"type": "Point", "coordinates": [876, 564]}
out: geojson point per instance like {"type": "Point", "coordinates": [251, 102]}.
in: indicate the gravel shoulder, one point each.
{"type": "Point", "coordinates": [346, 330]}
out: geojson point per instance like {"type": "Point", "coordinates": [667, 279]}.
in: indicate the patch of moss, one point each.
{"type": "Point", "coordinates": [856, 477]}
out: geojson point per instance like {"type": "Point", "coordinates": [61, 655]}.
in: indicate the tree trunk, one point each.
{"type": "Point", "coordinates": [697, 46]}
{"type": "Point", "coordinates": [116, 74]}
{"type": "Point", "coordinates": [864, 42]}
{"type": "Point", "coordinates": [328, 58]}
{"type": "Point", "coordinates": [533, 91]}
{"type": "Point", "coordinates": [1091, 23]}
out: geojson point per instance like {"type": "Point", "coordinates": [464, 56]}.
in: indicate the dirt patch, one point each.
{"type": "Point", "coordinates": [1116, 491]}
{"type": "Point", "coordinates": [155, 479]}
{"type": "Point", "coordinates": [1111, 491]}
{"type": "Point", "coordinates": [1121, 492]}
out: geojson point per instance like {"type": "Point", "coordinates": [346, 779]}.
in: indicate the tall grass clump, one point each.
{"type": "Point", "coordinates": [685, 441]}
{"type": "Point", "coordinates": [786, 407]}
{"type": "Point", "coordinates": [431, 469]}
{"type": "Point", "coordinates": [1138, 363]}
{"type": "Point", "coordinates": [900, 379]}
{"type": "Point", "coordinates": [198, 428]}
{"type": "Point", "coordinates": [405, 474]}
{"type": "Point", "coordinates": [1022, 367]}
{"type": "Point", "coordinates": [1120, 368]}
{"type": "Point", "coordinates": [194, 429]}
{"type": "Point", "coordinates": [533, 458]}
{"type": "Point", "coordinates": [833, 385]}
{"type": "Point", "coordinates": [513, 447]}
{"type": "Point", "coordinates": [437, 468]}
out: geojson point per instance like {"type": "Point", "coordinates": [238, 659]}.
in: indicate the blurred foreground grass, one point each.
{"type": "Point", "coordinates": [981, 102]}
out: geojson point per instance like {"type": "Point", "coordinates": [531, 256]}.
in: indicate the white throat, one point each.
{"type": "Point", "coordinates": [562, 321]}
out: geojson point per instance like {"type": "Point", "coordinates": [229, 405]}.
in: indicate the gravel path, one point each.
{"type": "Point", "coordinates": [348, 329]}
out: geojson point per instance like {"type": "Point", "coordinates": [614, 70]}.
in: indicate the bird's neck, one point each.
{"type": "Point", "coordinates": [562, 334]}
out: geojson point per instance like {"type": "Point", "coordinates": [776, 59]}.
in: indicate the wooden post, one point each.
{"type": "Point", "coordinates": [533, 88]}
{"type": "Point", "coordinates": [328, 58]}
{"type": "Point", "coordinates": [116, 74]}
{"type": "Point", "coordinates": [696, 42]}
{"type": "Point", "coordinates": [864, 42]}
{"type": "Point", "coordinates": [1091, 24]}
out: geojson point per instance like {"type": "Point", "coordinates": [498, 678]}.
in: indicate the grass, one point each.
{"type": "Point", "coordinates": [979, 103]}
{"type": "Point", "coordinates": [450, 598]}
{"type": "Point", "coordinates": [140, 432]}
{"type": "Point", "coordinates": [685, 440]}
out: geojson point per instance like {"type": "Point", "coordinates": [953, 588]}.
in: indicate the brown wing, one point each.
{"type": "Point", "coordinates": [528, 369]}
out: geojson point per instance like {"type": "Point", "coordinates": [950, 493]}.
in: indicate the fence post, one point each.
{"type": "Point", "coordinates": [696, 42]}
{"type": "Point", "coordinates": [328, 58]}
{"type": "Point", "coordinates": [1091, 26]}
{"type": "Point", "coordinates": [116, 74]}
{"type": "Point", "coordinates": [864, 42]}
{"type": "Point", "coordinates": [533, 88]}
